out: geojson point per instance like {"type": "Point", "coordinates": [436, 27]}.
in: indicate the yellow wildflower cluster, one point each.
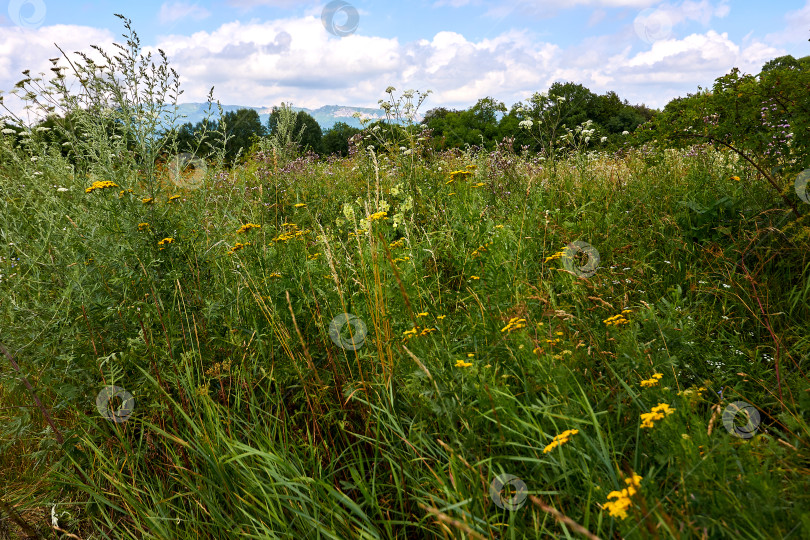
{"type": "Point", "coordinates": [652, 381]}
{"type": "Point", "coordinates": [462, 364]}
{"type": "Point", "coordinates": [619, 319]}
{"type": "Point", "coordinates": [174, 198]}
{"type": "Point", "coordinates": [237, 247]}
{"type": "Point", "coordinates": [300, 205]}
{"type": "Point", "coordinates": [562, 353]}
{"type": "Point", "coordinates": [461, 174]}
{"type": "Point", "coordinates": [514, 324]}
{"type": "Point", "coordinates": [692, 394]}
{"type": "Point", "coordinates": [143, 226]}
{"type": "Point", "coordinates": [274, 275]}
{"type": "Point", "coordinates": [619, 507]}
{"type": "Point", "coordinates": [560, 440]}
{"type": "Point", "coordinates": [358, 233]}
{"type": "Point", "coordinates": [121, 193]}
{"type": "Point", "coordinates": [658, 413]}
{"type": "Point", "coordinates": [100, 185]}
{"type": "Point", "coordinates": [313, 256]}
{"type": "Point", "coordinates": [402, 259]}
{"type": "Point", "coordinates": [558, 255]}
{"type": "Point", "coordinates": [472, 167]}
{"type": "Point", "coordinates": [377, 215]}
{"type": "Point", "coordinates": [412, 333]}
{"type": "Point", "coordinates": [219, 369]}
{"type": "Point", "coordinates": [479, 184]}
{"type": "Point", "coordinates": [147, 200]}
{"type": "Point", "coordinates": [246, 227]}
{"type": "Point", "coordinates": [735, 178]}
{"type": "Point", "coordinates": [474, 277]}
{"type": "Point", "coordinates": [293, 232]}
{"type": "Point", "coordinates": [478, 251]}
{"type": "Point", "coordinates": [165, 241]}
{"type": "Point", "coordinates": [398, 244]}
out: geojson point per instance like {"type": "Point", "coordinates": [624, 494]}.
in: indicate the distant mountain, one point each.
{"type": "Point", "coordinates": [326, 116]}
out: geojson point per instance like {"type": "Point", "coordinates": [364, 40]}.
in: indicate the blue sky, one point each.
{"type": "Point", "coordinates": [262, 52]}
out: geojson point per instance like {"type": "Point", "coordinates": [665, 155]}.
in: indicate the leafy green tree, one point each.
{"type": "Point", "coordinates": [764, 118]}
{"type": "Point", "coordinates": [242, 128]}
{"type": "Point", "coordinates": [477, 125]}
{"type": "Point", "coordinates": [579, 103]}
{"type": "Point", "coordinates": [336, 139]}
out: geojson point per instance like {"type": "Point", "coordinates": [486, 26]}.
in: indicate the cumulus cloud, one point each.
{"type": "Point", "coordinates": [797, 27]}
{"type": "Point", "coordinates": [175, 11]}
{"type": "Point", "coordinates": [263, 63]}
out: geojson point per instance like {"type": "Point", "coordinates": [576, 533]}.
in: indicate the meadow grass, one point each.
{"type": "Point", "coordinates": [481, 347]}
{"type": "Point", "coordinates": [402, 343]}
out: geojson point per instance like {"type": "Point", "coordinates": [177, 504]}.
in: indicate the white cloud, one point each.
{"type": "Point", "coordinates": [262, 63]}
{"type": "Point", "coordinates": [174, 11]}
{"type": "Point", "coordinates": [797, 28]}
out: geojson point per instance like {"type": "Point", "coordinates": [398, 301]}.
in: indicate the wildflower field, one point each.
{"type": "Point", "coordinates": [401, 343]}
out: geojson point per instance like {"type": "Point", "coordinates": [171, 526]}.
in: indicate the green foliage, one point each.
{"type": "Point", "coordinates": [477, 126]}
{"type": "Point", "coordinates": [336, 139]}
{"type": "Point", "coordinates": [764, 119]}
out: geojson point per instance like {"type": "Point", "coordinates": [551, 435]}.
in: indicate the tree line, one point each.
{"type": "Point", "coordinates": [567, 116]}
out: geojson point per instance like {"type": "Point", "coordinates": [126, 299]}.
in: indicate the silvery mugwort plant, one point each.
{"type": "Point", "coordinates": [112, 122]}
{"type": "Point", "coordinates": [285, 140]}
{"type": "Point", "coordinates": [121, 120]}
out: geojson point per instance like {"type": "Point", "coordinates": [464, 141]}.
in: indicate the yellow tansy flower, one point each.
{"type": "Point", "coordinates": [100, 185]}
{"type": "Point", "coordinates": [560, 439]}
